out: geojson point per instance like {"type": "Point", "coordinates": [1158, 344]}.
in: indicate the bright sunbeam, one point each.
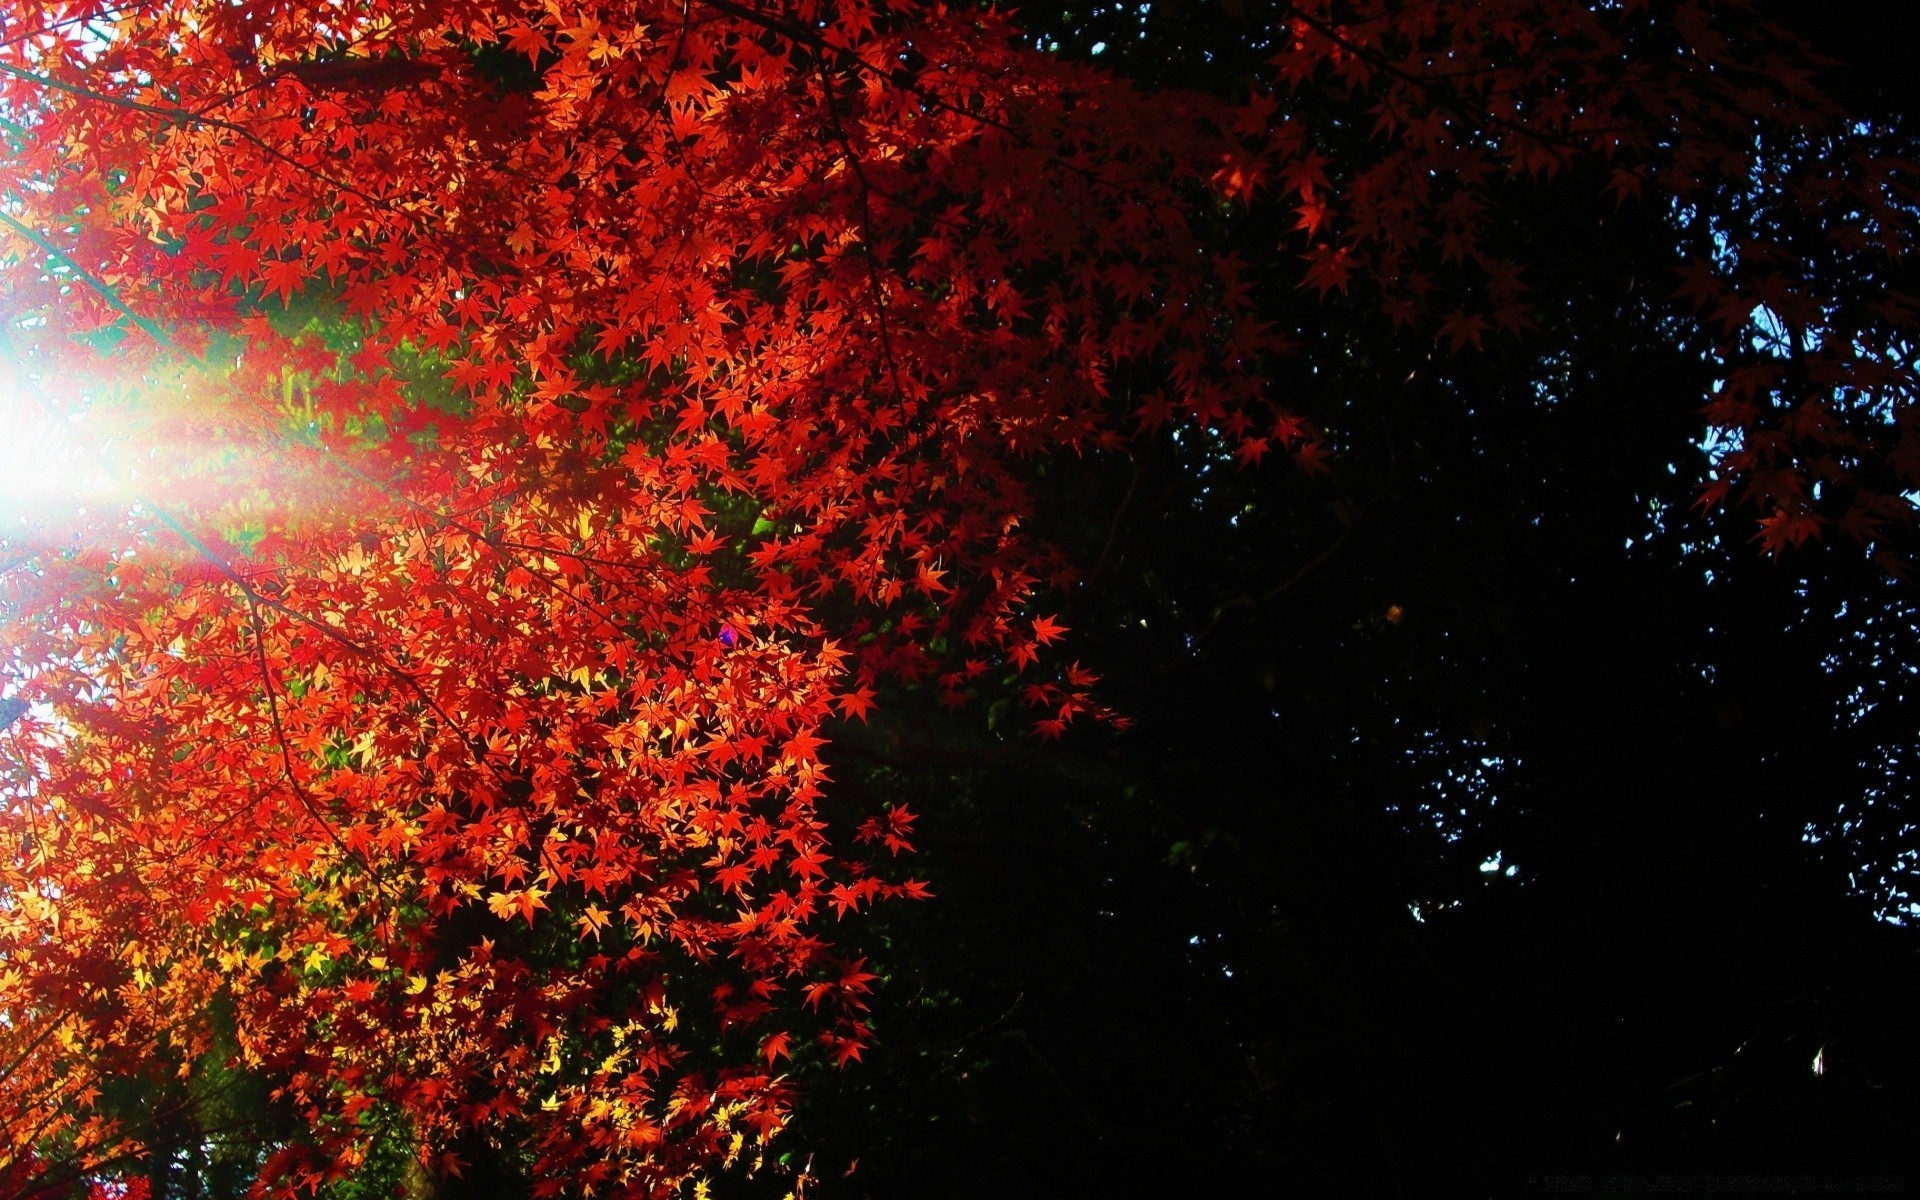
{"type": "Point", "coordinates": [43, 470]}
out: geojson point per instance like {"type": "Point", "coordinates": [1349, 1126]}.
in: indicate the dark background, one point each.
{"type": "Point", "coordinates": [1489, 818]}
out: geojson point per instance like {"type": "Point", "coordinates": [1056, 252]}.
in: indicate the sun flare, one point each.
{"type": "Point", "coordinates": [43, 468]}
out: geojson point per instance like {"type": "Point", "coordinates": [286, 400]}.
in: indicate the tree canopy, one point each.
{"type": "Point", "coordinates": [1303, 513]}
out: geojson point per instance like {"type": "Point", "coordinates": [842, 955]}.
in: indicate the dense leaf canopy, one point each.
{"type": "Point", "coordinates": [503, 454]}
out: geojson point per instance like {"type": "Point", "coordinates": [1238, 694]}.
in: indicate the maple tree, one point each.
{"type": "Point", "coordinates": [515, 432]}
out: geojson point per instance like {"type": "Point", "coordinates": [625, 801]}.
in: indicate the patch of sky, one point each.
{"type": "Point", "coordinates": [1465, 778]}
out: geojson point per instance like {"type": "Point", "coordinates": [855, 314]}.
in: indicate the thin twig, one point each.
{"type": "Point", "coordinates": [1307, 568]}
{"type": "Point", "coordinates": [101, 286]}
{"type": "Point", "coordinates": [187, 117]}
{"type": "Point", "coordinates": [286, 753]}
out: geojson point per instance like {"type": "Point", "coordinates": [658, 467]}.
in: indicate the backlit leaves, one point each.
{"type": "Point", "coordinates": [530, 426]}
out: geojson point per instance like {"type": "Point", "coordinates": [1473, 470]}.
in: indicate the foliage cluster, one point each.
{"type": "Point", "coordinates": [527, 440]}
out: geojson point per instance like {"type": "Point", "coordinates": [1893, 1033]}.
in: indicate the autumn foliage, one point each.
{"type": "Point", "coordinates": [513, 433]}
